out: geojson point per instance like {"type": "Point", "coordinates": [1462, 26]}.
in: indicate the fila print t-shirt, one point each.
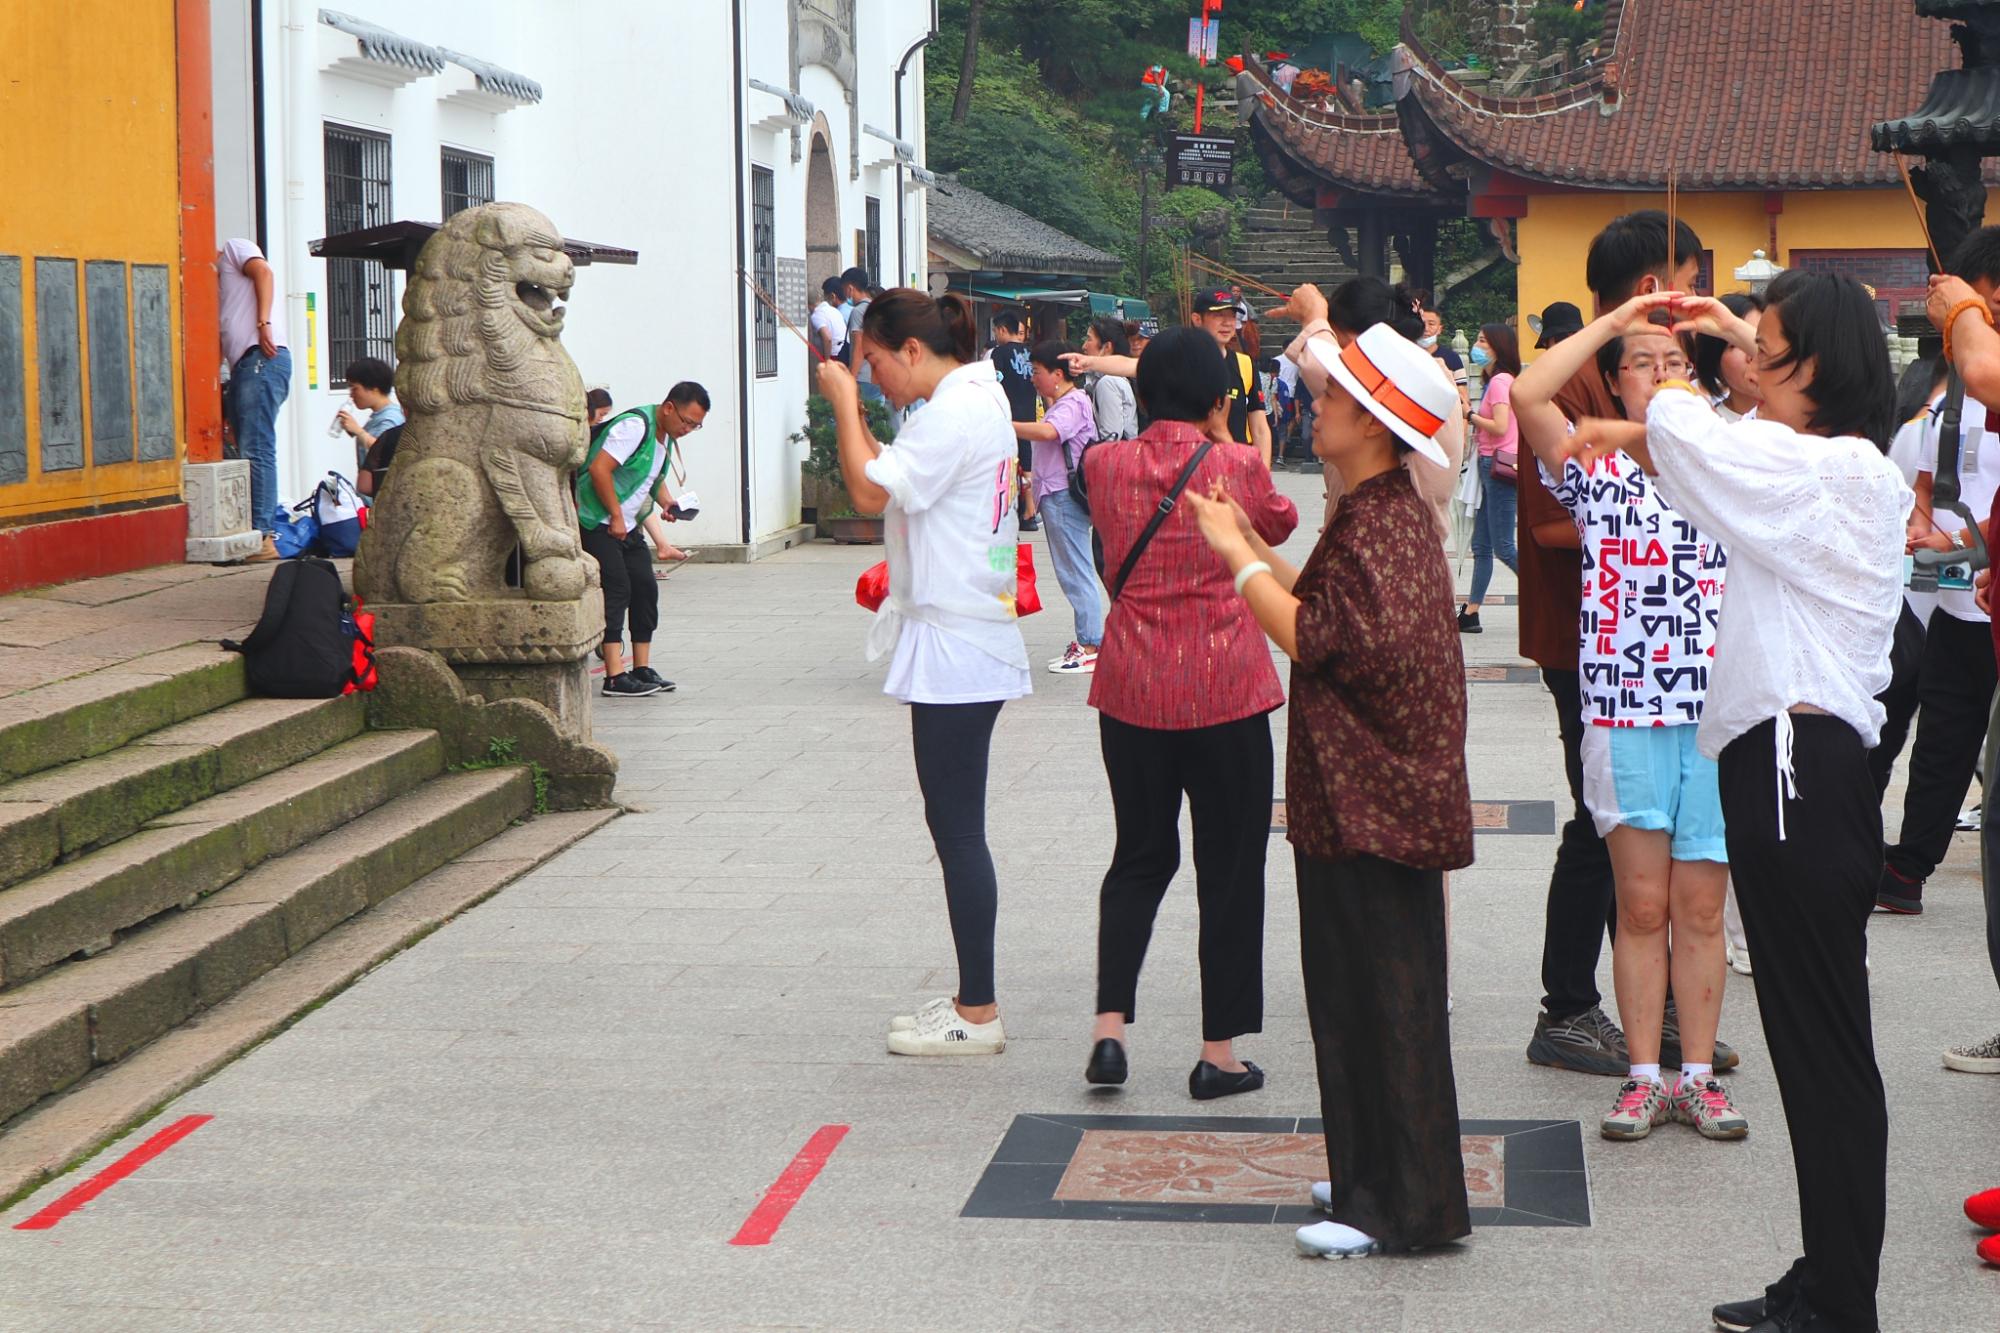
{"type": "Point", "coordinates": [1652, 594]}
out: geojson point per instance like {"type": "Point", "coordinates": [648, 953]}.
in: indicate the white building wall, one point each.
{"type": "Point", "coordinates": [636, 143]}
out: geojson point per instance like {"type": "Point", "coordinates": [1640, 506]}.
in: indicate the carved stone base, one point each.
{"type": "Point", "coordinates": [218, 505]}
{"type": "Point", "coordinates": [418, 689]}
{"type": "Point", "coordinates": [508, 648]}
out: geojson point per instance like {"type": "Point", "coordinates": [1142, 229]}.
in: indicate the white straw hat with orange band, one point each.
{"type": "Point", "coordinates": [1396, 380]}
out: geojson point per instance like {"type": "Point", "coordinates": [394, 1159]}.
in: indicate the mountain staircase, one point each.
{"type": "Point", "coordinates": [1281, 247]}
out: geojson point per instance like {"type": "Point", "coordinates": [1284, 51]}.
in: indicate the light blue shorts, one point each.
{"type": "Point", "coordinates": [1654, 778]}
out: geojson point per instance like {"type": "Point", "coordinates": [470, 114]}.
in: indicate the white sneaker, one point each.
{"type": "Point", "coordinates": [1969, 819]}
{"type": "Point", "coordinates": [1739, 959]}
{"type": "Point", "coordinates": [946, 1032]}
{"type": "Point", "coordinates": [1070, 654]}
{"type": "Point", "coordinates": [904, 1022]}
{"type": "Point", "coordinates": [1334, 1240]}
{"type": "Point", "coordinates": [1083, 663]}
{"type": "Point", "coordinates": [1323, 1195]}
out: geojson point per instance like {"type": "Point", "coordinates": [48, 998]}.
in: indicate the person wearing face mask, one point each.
{"type": "Point", "coordinates": [1433, 342]}
{"type": "Point", "coordinates": [1498, 354]}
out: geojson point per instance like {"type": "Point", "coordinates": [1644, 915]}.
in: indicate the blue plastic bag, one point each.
{"type": "Point", "coordinates": [293, 534]}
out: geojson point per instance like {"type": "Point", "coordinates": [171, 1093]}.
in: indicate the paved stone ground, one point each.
{"type": "Point", "coordinates": [556, 1111]}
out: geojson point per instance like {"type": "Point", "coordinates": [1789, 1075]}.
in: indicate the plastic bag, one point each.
{"type": "Point", "coordinates": [293, 536]}
{"type": "Point", "coordinates": [872, 588]}
{"type": "Point", "coordinates": [1027, 601]}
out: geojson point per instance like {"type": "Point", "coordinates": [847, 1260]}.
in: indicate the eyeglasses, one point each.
{"type": "Point", "coordinates": [1647, 365]}
{"type": "Point", "coordinates": [682, 417]}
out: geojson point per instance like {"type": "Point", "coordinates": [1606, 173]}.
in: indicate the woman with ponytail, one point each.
{"type": "Point", "coordinates": [946, 489]}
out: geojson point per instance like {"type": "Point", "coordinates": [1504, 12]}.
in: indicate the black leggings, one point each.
{"type": "Point", "coordinates": [629, 586]}
{"type": "Point", "coordinates": [951, 743]}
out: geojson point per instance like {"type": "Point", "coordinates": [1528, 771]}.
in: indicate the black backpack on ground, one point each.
{"type": "Point", "coordinates": [302, 647]}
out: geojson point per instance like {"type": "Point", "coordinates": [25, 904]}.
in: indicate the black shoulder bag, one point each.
{"type": "Point", "coordinates": [1160, 514]}
{"type": "Point", "coordinates": [1945, 495]}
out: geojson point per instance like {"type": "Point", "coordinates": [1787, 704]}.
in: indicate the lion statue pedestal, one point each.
{"type": "Point", "coordinates": [495, 429]}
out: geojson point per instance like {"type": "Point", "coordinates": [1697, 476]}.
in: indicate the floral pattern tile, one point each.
{"type": "Point", "coordinates": [1165, 1166]}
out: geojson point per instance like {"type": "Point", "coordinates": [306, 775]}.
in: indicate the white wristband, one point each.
{"type": "Point", "coordinates": [1250, 571]}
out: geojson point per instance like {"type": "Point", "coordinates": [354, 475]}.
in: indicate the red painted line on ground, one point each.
{"type": "Point", "coordinates": [790, 1187]}
{"type": "Point", "coordinates": [114, 1173]}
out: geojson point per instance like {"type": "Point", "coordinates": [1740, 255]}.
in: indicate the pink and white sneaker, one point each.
{"type": "Point", "coordinates": [1704, 1105]}
{"type": "Point", "coordinates": [1641, 1104]}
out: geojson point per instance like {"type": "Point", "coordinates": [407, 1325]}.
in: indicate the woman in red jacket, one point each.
{"type": "Point", "coordinates": [1184, 690]}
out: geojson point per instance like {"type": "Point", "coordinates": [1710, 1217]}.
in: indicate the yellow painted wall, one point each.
{"type": "Point", "coordinates": [89, 170]}
{"type": "Point", "coordinates": [1555, 236]}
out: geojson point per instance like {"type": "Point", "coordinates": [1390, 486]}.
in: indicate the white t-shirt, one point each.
{"type": "Point", "coordinates": [1652, 597]}
{"type": "Point", "coordinates": [1978, 478]}
{"type": "Point", "coordinates": [238, 301]}
{"type": "Point", "coordinates": [951, 535]}
{"type": "Point", "coordinates": [621, 444]}
{"type": "Point", "coordinates": [1905, 449]}
{"type": "Point", "coordinates": [827, 318]}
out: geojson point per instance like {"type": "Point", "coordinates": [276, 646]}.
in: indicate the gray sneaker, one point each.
{"type": "Point", "coordinates": [1978, 1058]}
{"type": "Point", "coordinates": [1585, 1043]}
{"type": "Point", "coordinates": [1726, 1057]}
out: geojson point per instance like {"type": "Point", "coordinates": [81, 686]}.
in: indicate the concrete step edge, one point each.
{"type": "Point", "coordinates": [68, 1130]}
{"type": "Point", "coordinates": [72, 808]}
{"type": "Point", "coordinates": [184, 856]}
{"type": "Point", "coordinates": [101, 710]}
{"type": "Point", "coordinates": [165, 973]}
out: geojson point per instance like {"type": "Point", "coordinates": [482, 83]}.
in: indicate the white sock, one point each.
{"type": "Point", "coordinates": [1695, 1074]}
{"type": "Point", "coordinates": [1651, 1071]}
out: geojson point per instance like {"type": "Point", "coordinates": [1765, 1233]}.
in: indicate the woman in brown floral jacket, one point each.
{"type": "Point", "coordinates": [1375, 796]}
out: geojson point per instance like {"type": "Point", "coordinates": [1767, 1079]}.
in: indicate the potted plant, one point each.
{"type": "Point", "coordinates": [823, 497]}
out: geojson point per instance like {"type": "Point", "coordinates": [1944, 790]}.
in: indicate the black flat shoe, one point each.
{"type": "Point", "coordinates": [1739, 1316]}
{"type": "Point", "coordinates": [1107, 1062]}
{"type": "Point", "coordinates": [1206, 1082]}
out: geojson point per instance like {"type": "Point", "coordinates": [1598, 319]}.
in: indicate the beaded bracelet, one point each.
{"type": "Point", "coordinates": [1969, 303]}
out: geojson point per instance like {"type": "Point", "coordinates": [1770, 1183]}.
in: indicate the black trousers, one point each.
{"type": "Point", "coordinates": [1805, 903]}
{"type": "Point", "coordinates": [1906, 659]}
{"type": "Point", "coordinates": [630, 590]}
{"type": "Point", "coordinates": [1582, 906]}
{"type": "Point", "coordinates": [1371, 941]}
{"type": "Point", "coordinates": [1226, 773]}
{"type": "Point", "coordinates": [1955, 693]}
{"type": "Point", "coordinates": [952, 742]}
{"type": "Point", "coordinates": [1989, 842]}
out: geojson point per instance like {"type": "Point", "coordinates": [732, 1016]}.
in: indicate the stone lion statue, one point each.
{"type": "Point", "coordinates": [495, 422]}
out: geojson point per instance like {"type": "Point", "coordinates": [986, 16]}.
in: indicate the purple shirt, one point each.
{"type": "Point", "coordinates": [1076, 424]}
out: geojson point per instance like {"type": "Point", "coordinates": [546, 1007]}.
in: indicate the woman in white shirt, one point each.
{"type": "Point", "coordinates": [1812, 514]}
{"type": "Point", "coordinates": [945, 487]}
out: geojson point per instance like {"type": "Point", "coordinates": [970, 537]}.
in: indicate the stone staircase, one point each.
{"type": "Point", "coordinates": [1281, 247]}
{"type": "Point", "coordinates": [166, 841]}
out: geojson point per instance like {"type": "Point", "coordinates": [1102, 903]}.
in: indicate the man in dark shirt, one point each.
{"type": "Point", "coordinates": [1010, 361]}
{"type": "Point", "coordinates": [1249, 419]}
{"type": "Point", "coordinates": [1573, 1032]}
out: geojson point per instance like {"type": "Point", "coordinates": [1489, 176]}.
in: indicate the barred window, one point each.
{"type": "Point", "coordinates": [763, 242]}
{"type": "Point", "coordinates": [468, 180]}
{"type": "Point", "coordinates": [360, 293]}
{"type": "Point", "coordinates": [872, 257]}
{"type": "Point", "coordinates": [1898, 276]}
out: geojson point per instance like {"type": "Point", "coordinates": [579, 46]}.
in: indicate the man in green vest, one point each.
{"type": "Point", "coordinates": [623, 478]}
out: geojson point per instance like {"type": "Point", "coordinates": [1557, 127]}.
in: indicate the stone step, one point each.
{"type": "Point", "coordinates": [87, 1014]}
{"type": "Point", "coordinates": [180, 858]}
{"type": "Point", "coordinates": [61, 1131]}
{"type": "Point", "coordinates": [99, 711]}
{"type": "Point", "coordinates": [61, 812]}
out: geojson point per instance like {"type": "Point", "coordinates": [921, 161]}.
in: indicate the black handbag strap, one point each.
{"type": "Point", "coordinates": [1165, 508]}
{"type": "Point", "coordinates": [1945, 489]}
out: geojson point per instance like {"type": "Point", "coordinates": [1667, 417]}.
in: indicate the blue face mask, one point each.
{"type": "Point", "coordinates": [1480, 356]}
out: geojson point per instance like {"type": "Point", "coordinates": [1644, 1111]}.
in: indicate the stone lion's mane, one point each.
{"type": "Point", "coordinates": [459, 343]}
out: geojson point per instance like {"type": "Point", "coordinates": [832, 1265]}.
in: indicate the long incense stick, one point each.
{"type": "Point", "coordinates": [1673, 229]}
{"type": "Point", "coordinates": [1239, 278]}
{"type": "Point", "coordinates": [1923, 225]}
{"type": "Point", "coordinates": [772, 306]}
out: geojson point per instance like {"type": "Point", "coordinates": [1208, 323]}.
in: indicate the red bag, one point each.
{"type": "Point", "coordinates": [1026, 600]}
{"type": "Point", "coordinates": [361, 676]}
{"type": "Point", "coordinates": [872, 588]}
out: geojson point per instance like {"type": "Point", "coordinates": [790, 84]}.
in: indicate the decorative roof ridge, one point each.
{"type": "Point", "coordinates": [493, 78]}
{"type": "Point", "coordinates": [386, 45]}
{"type": "Point", "coordinates": [1382, 122]}
{"type": "Point", "coordinates": [1414, 59]}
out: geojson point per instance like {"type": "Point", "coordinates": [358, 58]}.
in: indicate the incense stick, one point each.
{"type": "Point", "coordinates": [1923, 225]}
{"type": "Point", "coordinates": [1673, 229]}
{"type": "Point", "coordinates": [1240, 279]}
{"type": "Point", "coordinates": [772, 306]}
